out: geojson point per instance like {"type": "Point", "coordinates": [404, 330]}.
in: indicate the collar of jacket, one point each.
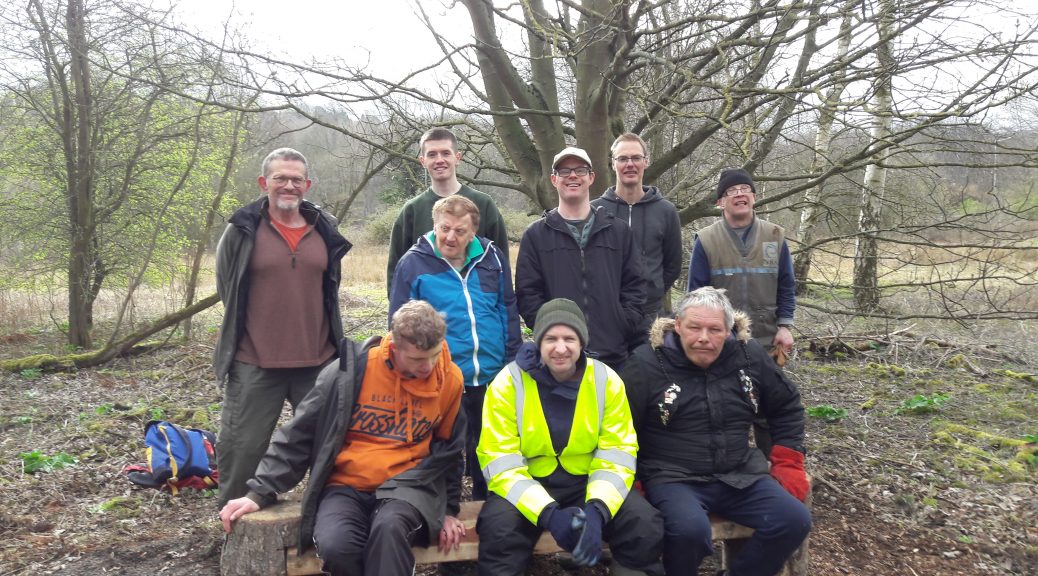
{"type": "Point", "coordinates": [478, 247]}
{"type": "Point", "coordinates": [529, 360]}
{"type": "Point", "coordinates": [249, 216]}
{"type": "Point", "coordinates": [663, 338]}
{"type": "Point", "coordinates": [603, 220]}
{"type": "Point", "coordinates": [662, 326]}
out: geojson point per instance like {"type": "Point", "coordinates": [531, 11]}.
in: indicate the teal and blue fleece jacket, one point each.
{"type": "Point", "coordinates": [477, 301]}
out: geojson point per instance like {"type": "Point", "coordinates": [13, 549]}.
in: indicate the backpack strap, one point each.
{"type": "Point", "coordinates": [187, 442]}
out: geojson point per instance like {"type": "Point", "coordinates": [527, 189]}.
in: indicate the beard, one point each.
{"type": "Point", "coordinates": [288, 203]}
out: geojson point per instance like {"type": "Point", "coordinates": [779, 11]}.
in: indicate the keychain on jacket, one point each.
{"type": "Point", "coordinates": [749, 390]}
{"type": "Point", "coordinates": [670, 395]}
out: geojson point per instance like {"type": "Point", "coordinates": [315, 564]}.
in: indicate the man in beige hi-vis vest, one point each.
{"type": "Point", "coordinates": [749, 257]}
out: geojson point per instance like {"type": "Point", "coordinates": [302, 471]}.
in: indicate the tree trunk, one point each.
{"type": "Point", "coordinates": [866, 253]}
{"type": "Point", "coordinates": [596, 96]}
{"type": "Point", "coordinates": [814, 196]}
{"type": "Point", "coordinates": [505, 90]}
{"type": "Point", "coordinates": [203, 234]}
{"type": "Point", "coordinates": [83, 270]}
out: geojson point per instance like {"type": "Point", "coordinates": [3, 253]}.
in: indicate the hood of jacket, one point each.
{"type": "Point", "coordinates": [662, 326]}
{"type": "Point", "coordinates": [652, 194]}
{"type": "Point", "coordinates": [428, 387]}
{"type": "Point", "coordinates": [529, 360]}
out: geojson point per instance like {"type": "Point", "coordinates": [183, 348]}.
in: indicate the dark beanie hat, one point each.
{"type": "Point", "coordinates": [732, 177]}
{"type": "Point", "coordinates": [560, 311]}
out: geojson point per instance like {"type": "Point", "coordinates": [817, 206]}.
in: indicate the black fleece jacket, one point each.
{"type": "Point", "coordinates": [707, 436]}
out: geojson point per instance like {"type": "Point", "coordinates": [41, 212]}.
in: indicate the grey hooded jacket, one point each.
{"type": "Point", "coordinates": [657, 231]}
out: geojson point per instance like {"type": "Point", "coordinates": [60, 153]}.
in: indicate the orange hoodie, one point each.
{"type": "Point", "coordinates": [394, 420]}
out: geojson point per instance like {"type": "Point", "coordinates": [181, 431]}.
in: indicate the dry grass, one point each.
{"type": "Point", "coordinates": [365, 264]}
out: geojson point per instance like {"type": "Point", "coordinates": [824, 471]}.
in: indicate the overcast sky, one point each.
{"type": "Point", "coordinates": [386, 32]}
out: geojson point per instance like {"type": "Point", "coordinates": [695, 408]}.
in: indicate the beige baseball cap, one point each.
{"type": "Point", "coordinates": [570, 151]}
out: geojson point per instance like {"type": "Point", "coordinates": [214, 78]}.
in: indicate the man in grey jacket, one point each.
{"type": "Point", "coordinates": [651, 217]}
{"type": "Point", "coordinates": [277, 273]}
{"type": "Point", "coordinates": [381, 434]}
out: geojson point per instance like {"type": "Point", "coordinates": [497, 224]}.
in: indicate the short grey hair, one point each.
{"type": "Point", "coordinates": [284, 154]}
{"type": "Point", "coordinates": [707, 297]}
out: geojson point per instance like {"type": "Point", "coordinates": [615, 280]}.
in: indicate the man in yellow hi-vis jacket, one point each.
{"type": "Point", "coordinates": [558, 450]}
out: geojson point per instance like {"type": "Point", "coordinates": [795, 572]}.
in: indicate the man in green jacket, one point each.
{"type": "Point", "coordinates": [440, 157]}
{"type": "Point", "coordinates": [559, 451]}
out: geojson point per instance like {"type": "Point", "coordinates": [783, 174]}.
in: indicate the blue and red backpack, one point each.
{"type": "Point", "coordinates": [177, 457]}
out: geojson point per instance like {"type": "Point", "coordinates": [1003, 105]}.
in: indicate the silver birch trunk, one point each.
{"type": "Point", "coordinates": [866, 251]}
{"type": "Point", "coordinates": [814, 197]}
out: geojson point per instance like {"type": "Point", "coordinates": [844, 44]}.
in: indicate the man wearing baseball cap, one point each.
{"type": "Point", "coordinates": [749, 257]}
{"type": "Point", "coordinates": [571, 473]}
{"type": "Point", "coordinates": [588, 256]}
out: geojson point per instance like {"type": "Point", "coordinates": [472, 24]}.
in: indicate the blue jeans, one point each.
{"type": "Point", "coordinates": [781, 522]}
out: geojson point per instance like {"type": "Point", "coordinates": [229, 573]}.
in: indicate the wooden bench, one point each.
{"type": "Point", "coordinates": [264, 544]}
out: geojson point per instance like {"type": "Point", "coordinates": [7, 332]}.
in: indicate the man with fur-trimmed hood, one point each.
{"type": "Point", "coordinates": [695, 390]}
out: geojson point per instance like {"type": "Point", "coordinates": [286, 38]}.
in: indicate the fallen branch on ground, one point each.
{"type": "Point", "coordinates": [129, 345]}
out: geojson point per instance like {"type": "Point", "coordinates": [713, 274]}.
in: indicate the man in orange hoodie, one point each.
{"type": "Point", "coordinates": [382, 436]}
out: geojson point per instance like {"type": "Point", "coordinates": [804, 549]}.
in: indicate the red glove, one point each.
{"type": "Point", "coordinates": [787, 466]}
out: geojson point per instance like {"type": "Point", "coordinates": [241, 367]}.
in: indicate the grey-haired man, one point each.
{"type": "Point", "coordinates": [277, 273]}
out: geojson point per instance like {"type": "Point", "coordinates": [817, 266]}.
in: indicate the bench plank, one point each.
{"type": "Point", "coordinates": [264, 543]}
{"type": "Point", "coordinates": [309, 564]}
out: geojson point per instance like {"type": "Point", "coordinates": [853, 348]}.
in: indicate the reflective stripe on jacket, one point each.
{"type": "Point", "coordinates": [515, 445]}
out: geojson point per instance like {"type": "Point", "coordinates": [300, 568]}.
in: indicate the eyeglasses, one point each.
{"type": "Point", "coordinates": [283, 180]}
{"type": "Point", "coordinates": [737, 191]}
{"type": "Point", "coordinates": [565, 172]}
{"type": "Point", "coordinates": [637, 158]}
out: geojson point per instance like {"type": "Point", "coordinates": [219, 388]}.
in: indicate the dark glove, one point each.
{"type": "Point", "coordinates": [787, 466]}
{"type": "Point", "coordinates": [563, 523]}
{"type": "Point", "coordinates": [589, 548]}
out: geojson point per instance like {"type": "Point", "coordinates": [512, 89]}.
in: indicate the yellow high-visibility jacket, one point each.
{"type": "Point", "coordinates": [515, 443]}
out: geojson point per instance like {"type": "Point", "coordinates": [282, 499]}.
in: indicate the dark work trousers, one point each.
{"type": "Point", "coordinates": [472, 402]}
{"type": "Point", "coordinates": [252, 401]}
{"type": "Point", "coordinates": [781, 522]}
{"type": "Point", "coordinates": [357, 534]}
{"type": "Point", "coordinates": [506, 537]}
